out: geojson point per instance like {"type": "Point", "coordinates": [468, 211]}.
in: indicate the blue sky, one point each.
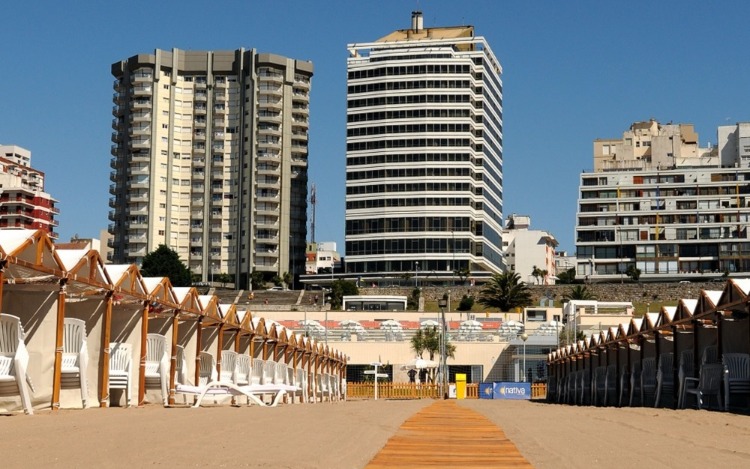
{"type": "Point", "coordinates": [573, 71]}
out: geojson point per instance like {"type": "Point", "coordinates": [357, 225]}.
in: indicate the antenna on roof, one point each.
{"type": "Point", "coordinates": [313, 202]}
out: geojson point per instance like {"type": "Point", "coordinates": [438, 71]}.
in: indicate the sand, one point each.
{"type": "Point", "coordinates": [349, 434]}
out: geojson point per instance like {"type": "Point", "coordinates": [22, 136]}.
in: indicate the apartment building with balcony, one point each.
{"type": "Point", "coordinates": [424, 154]}
{"type": "Point", "coordinates": [23, 201]}
{"type": "Point", "coordinates": [671, 214]}
{"type": "Point", "coordinates": [210, 157]}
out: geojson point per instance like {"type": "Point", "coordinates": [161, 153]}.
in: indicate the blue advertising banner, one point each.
{"type": "Point", "coordinates": [504, 390]}
{"type": "Point", "coordinates": [486, 391]}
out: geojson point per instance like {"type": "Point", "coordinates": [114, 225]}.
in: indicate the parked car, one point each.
{"type": "Point", "coordinates": [276, 288]}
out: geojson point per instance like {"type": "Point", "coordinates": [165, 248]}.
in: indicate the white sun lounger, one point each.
{"type": "Point", "coordinates": [254, 392]}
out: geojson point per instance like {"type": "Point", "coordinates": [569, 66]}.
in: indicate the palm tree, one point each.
{"type": "Point", "coordinates": [418, 343]}
{"type": "Point", "coordinates": [579, 292]}
{"type": "Point", "coordinates": [536, 273]}
{"type": "Point", "coordinates": [505, 291]}
{"type": "Point", "coordinates": [428, 340]}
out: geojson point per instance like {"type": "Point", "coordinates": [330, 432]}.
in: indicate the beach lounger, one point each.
{"type": "Point", "coordinates": [254, 392]}
{"type": "Point", "coordinates": [14, 361]}
{"type": "Point", "coordinates": [75, 357]}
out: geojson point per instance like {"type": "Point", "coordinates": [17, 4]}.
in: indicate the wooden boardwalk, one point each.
{"type": "Point", "coordinates": [446, 434]}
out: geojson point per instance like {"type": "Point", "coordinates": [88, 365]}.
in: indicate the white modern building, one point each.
{"type": "Point", "coordinates": [529, 251]}
{"type": "Point", "coordinates": [424, 154]}
{"type": "Point", "coordinates": [670, 214]}
{"type": "Point", "coordinates": [210, 157]}
{"type": "Point", "coordinates": [322, 258]}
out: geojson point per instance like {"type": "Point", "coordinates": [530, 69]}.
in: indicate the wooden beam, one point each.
{"type": "Point", "coordinates": [106, 352]}
{"type": "Point", "coordinates": [57, 370]}
{"type": "Point", "coordinates": [142, 361]}
{"type": "Point", "coordinates": [173, 357]}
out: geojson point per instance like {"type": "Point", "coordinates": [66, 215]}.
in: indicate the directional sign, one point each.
{"type": "Point", "coordinates": [379, 375]}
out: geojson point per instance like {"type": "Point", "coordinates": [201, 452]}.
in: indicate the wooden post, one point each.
{"type": "Point", "coordinates": [144, 344]}
{"type": "Point", "coordinates": [56, 375]}
{"type": "Point", "coordinates": [199, 349]}
{"type": "Point", "coordinates": [106, 352]}
{"type": "Point", "coordinates": [3, 263]}
{"type": "Point", "coordinates": [219, 348]}
{"type": "Point", "coordinates": [173, 355]}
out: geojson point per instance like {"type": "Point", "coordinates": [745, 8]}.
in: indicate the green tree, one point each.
{"type": "Point", "coordinates": [287, 279]}
{"type": "Point", "coordinates": [428, 340]}
{"type": "Point", "coordinates": [467, 302]}
{"type": "Point", "coordinates": [339, 289]}
{"type": "Point", "coordinates": [462, 274]}
{"type": "Point", "coordinates": [412, 302]}
{"type": "Point", "coordinates": [633, 272]}
{"type": "Point", "coordinates": [567, 277]}
{"type": "Point", "coordinates": [164, 262]}
{"type": "Point", "coordinates": [224, 279]}
{"type": "Point", "coordinates": [256, 279]}
{"type": "Point", "coordinates": [505, 291]}
{"type": "Point", "coordinates": [579, 292]}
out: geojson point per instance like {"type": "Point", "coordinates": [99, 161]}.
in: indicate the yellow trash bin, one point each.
{"type": "Point", "coordinates": [460, 385]}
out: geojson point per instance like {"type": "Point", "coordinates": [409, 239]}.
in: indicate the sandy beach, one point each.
{"type": "Point", "coordinates": [349, 434]}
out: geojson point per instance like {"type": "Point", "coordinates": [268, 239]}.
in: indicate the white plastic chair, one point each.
{"type": "Point", "coordinates": [300, 379]}
{"type": "Point", "coordinates": [14, 360]}
{"type": "Point", "coordinates": [280, 374]}
{"type": "Point", "coordinates": [75, 356]}
{"type": "Point", "coordinates": [228, 366]}
{"type": "Point", "coordinates": [157, 364]}
{"type": "Point", "coordinates": [120, 364]}
{"type": "Point", "coordinates": [242, 370]}
{"type": "Point", "coordinates": [257, 371]}
{"type": "Point", "coordinates": [269, 372]}
{"type": "Point", "coordinates": [207, 368]}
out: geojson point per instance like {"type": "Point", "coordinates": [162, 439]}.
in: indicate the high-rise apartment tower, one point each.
{"type": "Point", "coordinates": [424, 154]}
{"type": "Point", "coordinates": [209, 157]}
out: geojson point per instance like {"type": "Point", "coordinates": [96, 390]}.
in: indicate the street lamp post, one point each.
{"type": "Point", "coordinates": [416, 275]}
{"type": "Point", "coordinates": [442, 303]}
{"type": "Point", "coordinates": [524, 337]}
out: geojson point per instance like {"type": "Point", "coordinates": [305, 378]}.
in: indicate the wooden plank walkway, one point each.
{"type": "Point", "coordinates": [446, 434]}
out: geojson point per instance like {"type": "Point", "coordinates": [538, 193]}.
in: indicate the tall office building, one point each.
{"type": "Point", "coordinates": [424, 154]}
{"type": "Point", "coordinates": [23, 202]}
{"type": "Point", "coordinates": [210, 158]}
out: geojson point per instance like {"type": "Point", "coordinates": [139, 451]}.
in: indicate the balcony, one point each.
{"type": "Point", "coordinates": [143, 90]}
{"type": "Point", "coordinates": [140, 104]}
